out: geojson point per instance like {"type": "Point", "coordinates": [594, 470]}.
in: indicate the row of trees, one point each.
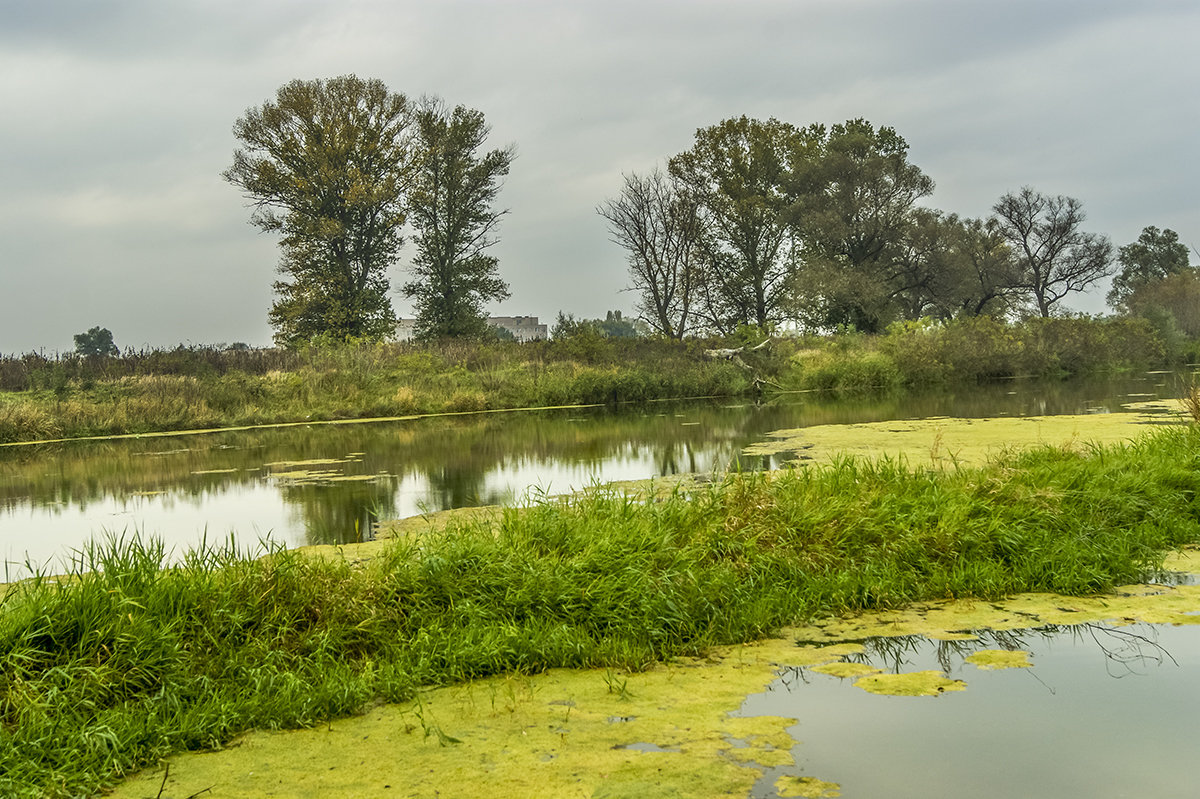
{"type": "Point", "coordinates": [762, 222]}
{"type": "Point", "coordinates": [342, 169]}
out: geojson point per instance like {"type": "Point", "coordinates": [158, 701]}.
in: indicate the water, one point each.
{"type": "Point", "coordinates": [253, 485]}
{"type": "Point", "coordinates": [1103, 712]}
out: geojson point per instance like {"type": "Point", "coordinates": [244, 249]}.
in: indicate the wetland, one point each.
{"type": "Point", "coordinates": [529, 641]}
{"type": "Point", "coordinates": [334, 483]}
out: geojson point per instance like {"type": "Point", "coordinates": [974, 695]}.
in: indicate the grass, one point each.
{"type": "Point", "coordinates": [125, 661]}
{"type": "Point", "coordinates": [205, 387]}
{"type": "Point", "coordinates": [201, 388]}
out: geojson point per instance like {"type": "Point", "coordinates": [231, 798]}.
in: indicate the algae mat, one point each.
{"type": "Point", "coordinates": [673, 731]}
{"type": "Point", "coordinates": [947, 441]}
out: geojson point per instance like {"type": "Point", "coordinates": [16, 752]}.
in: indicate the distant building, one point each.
{"type": "Point", "coordinates": [523, 328]}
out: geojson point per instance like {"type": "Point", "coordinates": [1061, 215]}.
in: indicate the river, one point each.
{"type": "Point", "coordinates": [322, 484]}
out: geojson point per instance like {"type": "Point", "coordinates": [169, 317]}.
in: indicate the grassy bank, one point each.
{"type": "Point", "coordinates": [108, 671]}
{"type": "Point", "coordinates": [206, 387]}
{"type": "Point", "coordinates": [203, 388]}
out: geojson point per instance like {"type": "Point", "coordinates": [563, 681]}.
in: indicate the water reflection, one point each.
{"type": "Point", "coordinates": [1073, 724]}
{"type": "Point", "coordinates": [328, 484]}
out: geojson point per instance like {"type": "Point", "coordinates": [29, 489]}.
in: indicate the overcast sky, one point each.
{"type": "Point", "coordinates": [116, 117]}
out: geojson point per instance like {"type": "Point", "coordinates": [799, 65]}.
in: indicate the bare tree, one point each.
{"type": "Point", "coordinates": [1055, 257]}
{"type": "Point", "coordinates": [658, 223]}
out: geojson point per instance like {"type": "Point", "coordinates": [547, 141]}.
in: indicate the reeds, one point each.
{"type": "Point", "coordinates": [123, 661]}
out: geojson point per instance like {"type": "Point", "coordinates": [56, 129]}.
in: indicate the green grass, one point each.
{"type": "Point", "coordinates": [200, 388]}
{"type": "Point", "coordinates": [126, 661]}
{"type": "Point", "coordinates": [204, 387]}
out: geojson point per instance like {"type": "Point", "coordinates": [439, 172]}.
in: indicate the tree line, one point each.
{"type": "Point", "coordinates": [763, 222]}
{"type": "Point", "coordinates": [758, 223]}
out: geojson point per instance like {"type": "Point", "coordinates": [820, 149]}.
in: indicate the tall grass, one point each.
{"type": "Point", "coordinates": [201, 388]}
{"type": "Point", "coordinates": [124, 660]}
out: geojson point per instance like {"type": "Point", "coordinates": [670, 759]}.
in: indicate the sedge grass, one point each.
{"type": "Point", "coordinates": [126, 660]}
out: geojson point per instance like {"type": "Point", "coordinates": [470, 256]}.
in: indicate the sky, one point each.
{"type": "Point", "coordinates": [117, 123]}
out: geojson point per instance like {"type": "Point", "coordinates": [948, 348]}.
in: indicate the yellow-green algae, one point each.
{"type": "Point", "coordinates": [946, 442]}
{"type": "Point", "coordinates": [809, 787]}
{"type": "Point", "coordinates": [844, 669]}
{"type": "Point", "coordinates": [990, 659]}
{"type": "Point", "coordinates": [562, 733]}
{"type": "Point", "coordinates": [576, 733]}
{"type": "Point", "coordinates": [911, 683]}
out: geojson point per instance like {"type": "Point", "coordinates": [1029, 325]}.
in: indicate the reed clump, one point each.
{"type": "Point", "coordinates": [129, 658]}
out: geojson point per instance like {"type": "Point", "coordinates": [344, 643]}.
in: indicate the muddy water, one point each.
{"type": "Point", "coordinates": [331, 484]}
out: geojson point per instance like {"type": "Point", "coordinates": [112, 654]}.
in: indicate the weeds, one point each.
{"type": "Point", "coordinates": [1191, 402]}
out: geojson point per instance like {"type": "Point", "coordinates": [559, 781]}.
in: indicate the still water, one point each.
{"type": "Point", "coordinates": [1103, 712]}
{"type": "Point", "coordinates": [325, 484]}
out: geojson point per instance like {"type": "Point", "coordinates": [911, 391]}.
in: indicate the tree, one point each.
{"type": "Point", "coordinates": [450, 205]}
{"type": "Point", "coordinates": [659, 224]}
{"type": "Point", "coordinates": [326, 164]}
{"type": "Point", "coordinates": [1155, 256]}
{"type": "Point", "coordinates": [1055, 258]}
{"type": "Point", "coordinates": [737, 172]}
{"type": "Point", "coordinates": [992, 272]}
{"type": "Point", "coordinates": [96, 342]}
{"type": "Point", "coordinates": [853, 209]}
{"type": "Point", "coordinates": [614, 325]}
{"type": "Point", "coordinates": [1177, 296]}
{"type": "Point", "coordinates": [947, 267]}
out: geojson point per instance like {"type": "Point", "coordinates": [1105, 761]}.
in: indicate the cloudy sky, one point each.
{"type": "Point", "coordinates": [117, 116]}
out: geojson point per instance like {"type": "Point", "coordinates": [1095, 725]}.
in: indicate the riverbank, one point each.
{"type": "Point", "coordinates": [108, 671]}
{"type": "Point", "coordinates": [201, 388]}
{"type": "Point", "coordinates": [728, 723]}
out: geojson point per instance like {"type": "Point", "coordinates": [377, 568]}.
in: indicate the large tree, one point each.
{"type": "Point", "coordinates": [326, 164]}
{"type": "Point", "coordinates": [451, 208]}
{"type": "Point", "coordinates": [1156, 255]}
{"type": "Point", "coordinates": [854, 209]}
{"type": "Point", "coordinates": [659, 224]}
{"type": "Point", "coordinates": [737, 171]}
{"type": "Point", "coordinates": [1055, 257]}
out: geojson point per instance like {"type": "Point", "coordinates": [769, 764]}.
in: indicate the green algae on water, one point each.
{"type": "Point", "coordinates": [949, 442]}
{"type": "Point", "coordinates": [990, 659]}
{"type": "Point", "coordinates": [668, 733]}
{"type": "Point", "coordinates": [562, 733]}
{"type": "Point", "coordinates": [913, 683]}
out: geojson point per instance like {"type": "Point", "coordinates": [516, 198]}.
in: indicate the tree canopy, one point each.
{"type": "Point", "coordinates": [327, 164]}
{"type": "Point", "coordinates": [737, 171]}
{"type": "Point", "coordinates": [1155, 256]}
{"type": "Point", "coordinates": [95, 343]}
{"type": "Point", "coordinates": [451, 208]}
